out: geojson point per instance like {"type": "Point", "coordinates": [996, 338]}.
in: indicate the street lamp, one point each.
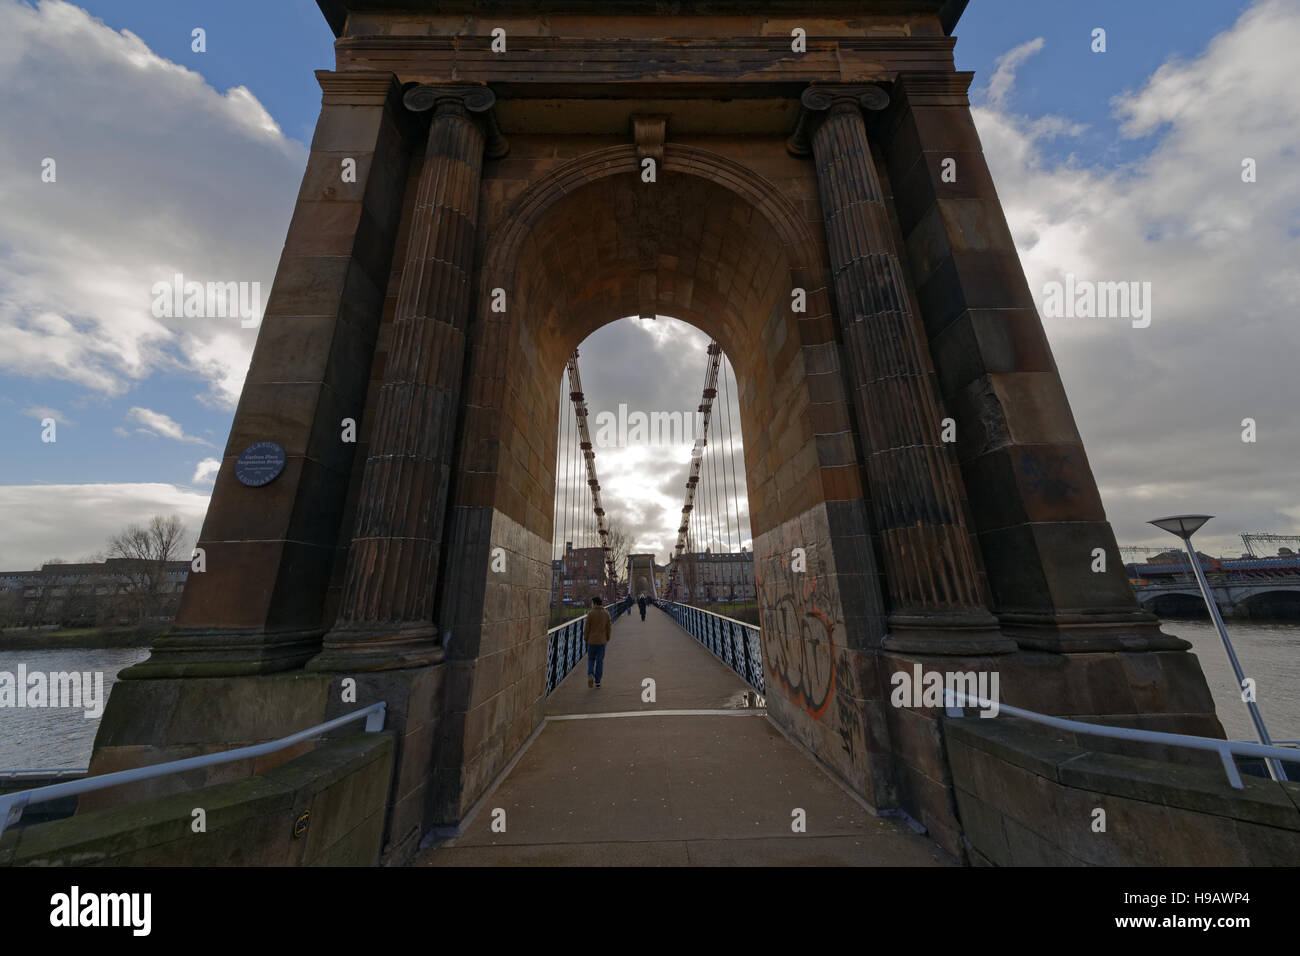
{"type": "Point", "coordinates": [1184, 526]}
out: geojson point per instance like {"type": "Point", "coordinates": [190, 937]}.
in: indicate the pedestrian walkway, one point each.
{"type": "Point", "coordinates": [692, 777]}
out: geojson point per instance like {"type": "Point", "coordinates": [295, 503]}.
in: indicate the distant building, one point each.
{"type": "Point", "coordinates": [114, 592]}
{"type": "Point", "coordinates": [578, 576]}
{"type": "Point", "coordinates": [706, 577]}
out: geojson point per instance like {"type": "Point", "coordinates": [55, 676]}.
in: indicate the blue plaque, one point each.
{"type": "Point", "coordinates": [260, 463]}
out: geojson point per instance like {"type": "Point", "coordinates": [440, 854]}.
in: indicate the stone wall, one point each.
{"type": "Point", "coordinates": [1161, 691]}
{"type": "Point", "coordinates": [1028, 798]}
{"type": "Point", "coordinates": [343, 786]}
{"type": "Point", "coordinates": [821, 628]}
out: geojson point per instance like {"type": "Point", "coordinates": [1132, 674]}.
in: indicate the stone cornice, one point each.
{"type": "Point", "coordinates": [538, 66]}
{"type": "Point", "coordinates": [948, 12]}
{"type": "Point", "coordinates": [935, 89]}
{"type": "Point", "coordinates": [778, 43]}
{"type": "Point", "coordinates": [357, 87]}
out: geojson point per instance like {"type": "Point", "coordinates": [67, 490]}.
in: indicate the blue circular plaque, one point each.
{"type": "Point", "coordinates": [260, 463]}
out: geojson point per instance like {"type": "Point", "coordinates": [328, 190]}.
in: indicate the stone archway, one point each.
{"type": "Point", "coordinates": [716, 244]}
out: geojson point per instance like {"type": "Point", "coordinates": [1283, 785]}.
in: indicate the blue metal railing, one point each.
{"type": "Point", "coordinates": [735, 643]}
{"type": "Point", "coordinates": [566, 645]}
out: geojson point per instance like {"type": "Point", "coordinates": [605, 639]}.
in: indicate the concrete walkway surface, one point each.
{"type": "Point", "coordinates": [615, 780]}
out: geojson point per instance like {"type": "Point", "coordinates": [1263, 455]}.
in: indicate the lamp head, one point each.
{"type": "Point", "coordinates": [1182, 525]}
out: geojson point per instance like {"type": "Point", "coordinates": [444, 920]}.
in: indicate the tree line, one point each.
{"type": "Point", "coordinates": [133, 582]}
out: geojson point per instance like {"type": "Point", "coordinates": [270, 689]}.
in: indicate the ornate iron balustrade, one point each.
{"type": "Point", "coordinates": [566, 644]}
{"type": "Point", "coordinates": [735, 643]}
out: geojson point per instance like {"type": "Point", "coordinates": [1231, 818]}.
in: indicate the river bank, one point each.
{"type": "Point", "coordinates": [90, 638]}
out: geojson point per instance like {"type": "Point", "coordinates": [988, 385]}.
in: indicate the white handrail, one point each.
{"type": "Point", "coordinates": [12, 804]}
{"type": "Point", "coordinates": [562, 626]}
{"type": "Point", "coordinates": [1224, 748]}
{"type": "Point", "coordinates": [579, 617]}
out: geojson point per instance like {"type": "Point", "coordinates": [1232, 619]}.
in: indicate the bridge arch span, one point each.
{"type": "Point", "coordinates": [1180, 604]}
{"type": "Point", "coordinates": [1271, 604]}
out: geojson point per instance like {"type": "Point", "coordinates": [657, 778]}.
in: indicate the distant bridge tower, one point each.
{"type": "Point", "coordinates": [641, 575]}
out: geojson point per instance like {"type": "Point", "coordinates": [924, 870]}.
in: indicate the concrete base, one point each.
{"type": "Point", "coordinates": [1032, 799]}
{"type": "Point", "coordinates": [153, 721]}
{"type": "Point", "coordinates": [1160, 690]}
{"type": "Point", "coordinates": [325, 808]}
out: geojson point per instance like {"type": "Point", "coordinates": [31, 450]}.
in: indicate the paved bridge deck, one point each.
{"type": "Point", "coordinates": [615, 780]}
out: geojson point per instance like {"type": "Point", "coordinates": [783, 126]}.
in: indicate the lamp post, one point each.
{"type": "Point", "coordinates": [1184, 526]}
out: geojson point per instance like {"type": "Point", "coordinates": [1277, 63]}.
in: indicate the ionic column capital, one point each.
{"type": "Point", "coordinates": [825, 98]}
{"type": "Point", "coordinates": [473, 100]}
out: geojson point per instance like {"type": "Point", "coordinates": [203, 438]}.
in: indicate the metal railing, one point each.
{"type": "Point", "coordinates": [13, 804]}
{"type": "Point", "coordinates": [735, 643]}
{"type": "Point", "coordinates": [1226, 749]}
{"type": "Point", "coordinates": [566, 645]}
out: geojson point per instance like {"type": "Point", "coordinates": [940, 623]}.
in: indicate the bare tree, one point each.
{"type": "Point", "coordinates": [689, 572]}
{"type": "Point", "coordinates": [147, 550]}
{"type": "Point", "coordinates": [11, 605]}
{"type": "Point", "coordinates": [40, 594]}
{"type": "Point", "coordinates": [620, 545]}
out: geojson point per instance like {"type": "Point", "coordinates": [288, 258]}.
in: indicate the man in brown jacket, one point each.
{"type": "Point", "coordinates": [596, 630]}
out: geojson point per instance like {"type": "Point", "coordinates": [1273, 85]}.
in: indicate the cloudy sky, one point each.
{"type": "Point", "coordinates": [1117, 166]}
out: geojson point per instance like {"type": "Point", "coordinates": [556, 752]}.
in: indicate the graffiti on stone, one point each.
{"type": "Point", "coordinates": [801, 612]}
{"type": "Point", "coordinates": [850, 726]}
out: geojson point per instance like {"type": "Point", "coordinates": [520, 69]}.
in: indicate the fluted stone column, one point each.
{"type": "Point", "coordinates": [386, 613]}
{"type": "Point", "coordinates": [936, 598]}
{"type": "Point", "coordinates": [1035, 505]}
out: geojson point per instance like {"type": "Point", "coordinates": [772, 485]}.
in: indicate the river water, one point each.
{"type": "Point", "coordinates": [49, 738]}
{"type": "Point", "coordinates": [1268, 652]}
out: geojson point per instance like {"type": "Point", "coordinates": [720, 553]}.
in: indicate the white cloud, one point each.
{"type": "Point", "coordinates": [42, 412]}
{"type": "Point", "coordinates": [157, 173]}
{"type": "Point", "coordinates": [1160, 408]}
{"type": "Point", "coordinates": [1004, 69]}
{"type": "Point", "coordinates": [652, 366]}
{"type": "Point", "coordinates": [157, 423]}
{"type": "Point", "coordinates": [205, 472]}
{"type": "Point", "coordinates": [66, 521]}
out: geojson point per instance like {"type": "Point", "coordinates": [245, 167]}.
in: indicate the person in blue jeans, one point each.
{"type": "Point", "coordinates": [596, 630]}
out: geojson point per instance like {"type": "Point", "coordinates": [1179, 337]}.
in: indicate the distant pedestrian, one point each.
{"type": "Point", "coordinates": [640, 603]}
{"type": "Point", "coordinates": [596, 630]}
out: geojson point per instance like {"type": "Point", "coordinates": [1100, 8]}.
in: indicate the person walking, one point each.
{"type": "Point", "coordinates": [596, 630]}
{"type": "Point", "coordinates": [640, 603]}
